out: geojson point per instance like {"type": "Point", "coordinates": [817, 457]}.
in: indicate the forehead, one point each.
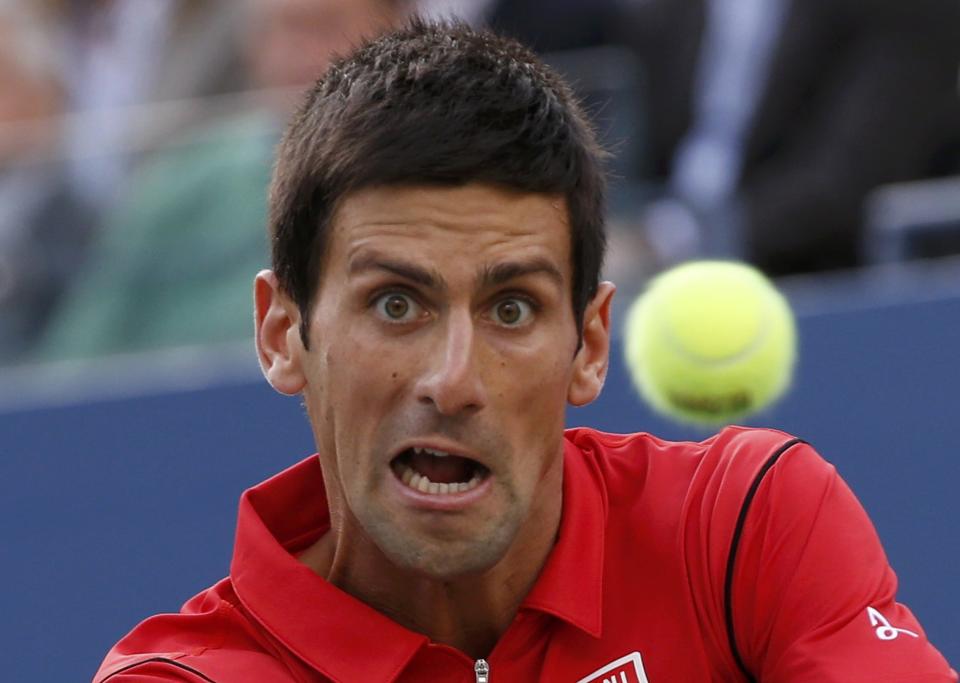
{"type": "Point", "coordinates": [456, 227]}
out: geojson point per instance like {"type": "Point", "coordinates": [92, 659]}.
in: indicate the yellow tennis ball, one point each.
{"type": "Point", "coordinates": [710, 342]}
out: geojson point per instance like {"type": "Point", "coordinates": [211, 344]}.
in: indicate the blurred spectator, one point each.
{"type": "Point", "coordinates": [766, 122]}
{"type": "Point", "coordinates": [582, 40]}
{"type": "Point", "coordinates": [547, 27]}
{"type": "Point", "coordinates": [125, 53]}
{"type": "Point", "coordinates": [175, 265]}
{"type": "Point", "coordinates": [43, 226]}
{"type": "Point", "coordinates": [771, 119]}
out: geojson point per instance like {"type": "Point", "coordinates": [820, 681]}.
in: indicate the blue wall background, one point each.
{"type": "Point", "coordinates": [113, 507]}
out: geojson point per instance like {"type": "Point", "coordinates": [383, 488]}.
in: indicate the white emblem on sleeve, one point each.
{"type": "Point", "coordinates": [627, 669]}
{"type": "Point", "coordinates": [884, 630]}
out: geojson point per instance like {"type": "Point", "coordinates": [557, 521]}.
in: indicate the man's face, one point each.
{"type": "Point", "coordinates": [443, 347]}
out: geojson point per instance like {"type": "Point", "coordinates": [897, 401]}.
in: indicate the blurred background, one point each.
{"type": "Point", "coordinates": [816, 139]}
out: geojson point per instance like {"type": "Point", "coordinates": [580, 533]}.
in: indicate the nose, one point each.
{"type": "Point", "coordinates": [451, 380]}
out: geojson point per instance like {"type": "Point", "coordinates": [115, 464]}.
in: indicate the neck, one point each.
{"type": "Point", "coordinates": [469, 613]}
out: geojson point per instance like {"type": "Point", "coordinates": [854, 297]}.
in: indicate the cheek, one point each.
{"type": "Point", "coordinates": [368, 367]}
{"type": "Point", "coordinates": [533, 393]}
{"type": "Point", "coordinates": [364, 382]}
{"type": "Point", "coordinates": [532, 371]}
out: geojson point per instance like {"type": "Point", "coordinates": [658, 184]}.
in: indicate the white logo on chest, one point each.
{"type": "Point", "coordinates": [884, 630]}
{"type": "Point", "coordinates": [627, 669]}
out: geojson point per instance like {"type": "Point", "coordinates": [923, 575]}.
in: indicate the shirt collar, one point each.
{"type": "Point", "coordinates": [337, 634]}
{"type": "Point", "coordinates": [333, 631]}
{"type": "Point", "coordinates": [570, 586]}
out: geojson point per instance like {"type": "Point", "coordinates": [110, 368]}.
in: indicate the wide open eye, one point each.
{"type": "Point", "coordinates": [397, 307]}
{"type": "Point", "coordinates": [512, 312]}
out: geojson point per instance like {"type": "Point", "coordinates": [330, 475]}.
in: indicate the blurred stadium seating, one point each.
{"type": "Point", "coordinates": [912, 220]}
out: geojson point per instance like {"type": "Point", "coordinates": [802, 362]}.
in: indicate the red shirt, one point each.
{"type": "Point", "coordinates": [674, 561]}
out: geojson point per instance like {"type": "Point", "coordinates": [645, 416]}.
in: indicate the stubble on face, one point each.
{"type": "Point", "coordinates": [451, 545]}
{"type": "Point", "coordinates": [446, 547]}
{"type": "Point", "coordinates": [366, 395]}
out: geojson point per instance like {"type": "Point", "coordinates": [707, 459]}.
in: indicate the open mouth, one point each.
{"type": "Point", "coordinates": [437, 472]}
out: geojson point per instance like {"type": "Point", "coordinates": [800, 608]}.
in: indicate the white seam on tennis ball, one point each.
{"type": "Point", "coordinates": [676, 346]}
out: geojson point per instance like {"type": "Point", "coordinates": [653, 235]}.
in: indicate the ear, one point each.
{"type": "Point", "coordinates": [279, 346]}
{"type": "Point", "coordinates": [593, 358]}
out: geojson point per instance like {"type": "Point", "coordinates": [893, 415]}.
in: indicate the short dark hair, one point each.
{"type": "Point", "coordinates": [442, 104]}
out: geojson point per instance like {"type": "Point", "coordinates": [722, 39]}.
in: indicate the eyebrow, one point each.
{"type": "Point", "coordinates": [408, 271]}
{"type": "Point", "coordinates": [490, 276]}
{"type": "Point", "coordinates": [501, 273]}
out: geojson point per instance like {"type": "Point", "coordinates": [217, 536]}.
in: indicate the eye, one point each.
{"type": "Point", "coordinates": [512, 312]}
{"type": "Point", "coordinates": [396, 307]}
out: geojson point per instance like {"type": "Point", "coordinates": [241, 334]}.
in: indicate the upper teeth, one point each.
{"type": "Point", "coordinates": [430, 451]}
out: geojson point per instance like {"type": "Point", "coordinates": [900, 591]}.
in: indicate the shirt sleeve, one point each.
{"type": "Point", "coordinates": [813, 597]}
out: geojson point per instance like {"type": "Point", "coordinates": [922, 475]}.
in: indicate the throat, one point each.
{"type": "Point", "coordinates": [449, 469]}
{"type": "Point", "coordinates": [467, 617]}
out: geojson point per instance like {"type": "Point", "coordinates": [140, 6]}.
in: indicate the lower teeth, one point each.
{"type": "Point", "coordinates": [419, 482]}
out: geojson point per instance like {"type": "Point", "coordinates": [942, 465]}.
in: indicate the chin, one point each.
{"type": "Point", "coordinates": [453, 568]}
{"type": "Point", "coordinates": [446, 561]}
